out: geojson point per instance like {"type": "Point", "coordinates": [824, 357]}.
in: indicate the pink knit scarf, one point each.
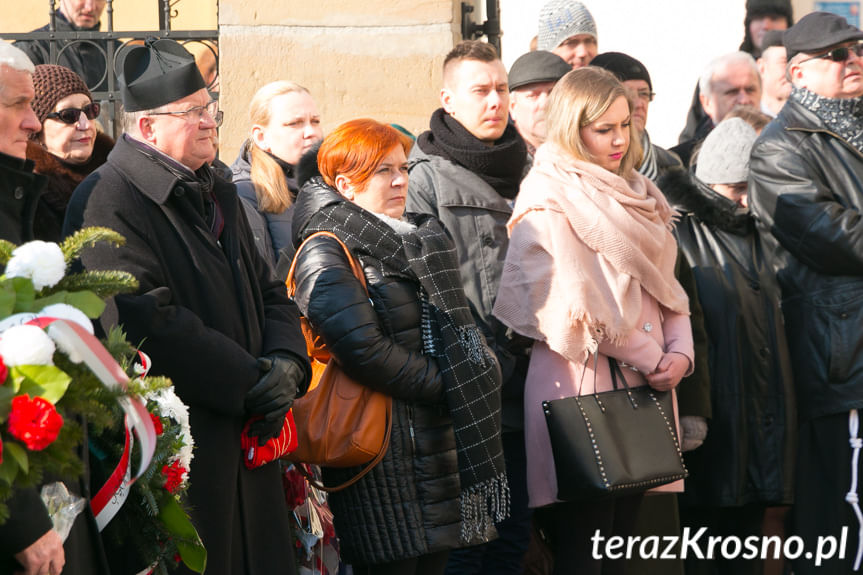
{"type": "Point", "coordinates": [584, 242]}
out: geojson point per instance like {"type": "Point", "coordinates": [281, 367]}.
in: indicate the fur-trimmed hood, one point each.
{"type": "Point", "coordinates": [62, 178]}
{"type": "Point", "coordinates": [690, 196]}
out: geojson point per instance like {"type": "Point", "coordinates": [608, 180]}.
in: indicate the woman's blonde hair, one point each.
{"type": "Point", "coordinates": [271, 187]}
{"type": "Point", "coordinates": [578, 100]}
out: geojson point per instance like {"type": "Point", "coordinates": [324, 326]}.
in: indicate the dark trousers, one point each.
{"type": "Point", "coordinates": [506, 553]}
{"type": "Point", "coordinates": [823, 479]}
{"type": "Point", "coordinates": [431, 564]}
{"type": "Point", "coordinates": [744, 521]}
{"type": "Point", "coordinates": [570, 527]}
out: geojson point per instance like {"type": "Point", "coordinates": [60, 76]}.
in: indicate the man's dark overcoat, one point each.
{"type": "Point", "coordinates": [204, 311]}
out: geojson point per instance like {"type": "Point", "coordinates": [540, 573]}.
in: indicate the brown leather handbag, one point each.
{"type": "Point", "coordinates": [340, 423]}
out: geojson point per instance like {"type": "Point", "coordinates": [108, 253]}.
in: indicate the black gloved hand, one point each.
{"type": "Point", "coordinates": [273, 395]}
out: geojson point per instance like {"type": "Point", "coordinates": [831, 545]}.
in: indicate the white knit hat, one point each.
{"type": "Point", "coordinates": [562, 19]}
{"type": "Point", "coordinates": [724, 155]}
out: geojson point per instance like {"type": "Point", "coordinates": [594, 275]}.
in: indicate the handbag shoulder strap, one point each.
{"type": "Point", "coordinates": [356, 268]}
{"type": "Point", "coordinates": [617, 374]}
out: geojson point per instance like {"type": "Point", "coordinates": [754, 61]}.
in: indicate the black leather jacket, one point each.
{"type": "Point", "coordinates": [748, 455]}
{"type": "Point", "coordinates": [806, 192]}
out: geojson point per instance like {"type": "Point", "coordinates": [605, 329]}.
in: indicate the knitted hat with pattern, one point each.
{"type": "Point", "coordinates": [724, 156]}
{"type": "Point", "coordinates": [52, 84]}
{"type": "Point", "coordinates": [562, 19]}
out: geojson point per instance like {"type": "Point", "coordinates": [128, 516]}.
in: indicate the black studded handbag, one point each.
{"type": "Point", "coordinates": [613, 443]}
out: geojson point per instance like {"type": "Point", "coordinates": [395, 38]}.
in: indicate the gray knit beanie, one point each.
{"type": "Point", "coordinates": [562, 19]}
{"type": "Point", "coordinates": [724, 156]}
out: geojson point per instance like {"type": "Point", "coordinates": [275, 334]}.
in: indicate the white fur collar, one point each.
{"type": "Point", "coordinates": [401, 227]}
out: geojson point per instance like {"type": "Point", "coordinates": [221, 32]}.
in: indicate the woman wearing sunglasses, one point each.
{"type": "Point", "coordinates": [67, 148]}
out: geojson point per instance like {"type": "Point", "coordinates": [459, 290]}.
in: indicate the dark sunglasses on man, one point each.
{"type": "Point", "coordinates": [839, 54]}
{"type": "Point", "coordinates": [72, 115]}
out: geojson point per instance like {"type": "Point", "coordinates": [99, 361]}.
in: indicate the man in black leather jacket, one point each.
{"type": "Point", "coordinates": [806, 192]}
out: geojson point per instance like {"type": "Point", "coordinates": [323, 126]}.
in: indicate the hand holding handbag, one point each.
{"type": "Point", "coordinates": [340, 423]}
{"type": "Point", "coordinates": [614, 443]}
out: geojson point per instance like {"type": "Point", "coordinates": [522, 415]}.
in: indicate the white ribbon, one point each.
{"type": "Point", "coordinates": [110, 498]}
{"type": "Point", "coordinates": [851, 497]}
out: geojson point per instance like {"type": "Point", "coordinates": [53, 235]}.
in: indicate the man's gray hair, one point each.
{"type": "Point", "coordinates": [705, 82]}
{"type": "Point", "coordinates": [130, 119]}
{"type": "Point", "coordinates": [15, 58]}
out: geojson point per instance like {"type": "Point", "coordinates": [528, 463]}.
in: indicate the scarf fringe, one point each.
{"type": "Point", "coordinates": [483, 505]}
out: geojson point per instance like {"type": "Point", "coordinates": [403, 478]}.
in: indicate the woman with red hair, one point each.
{"type": "Point", "coordinates": [441, 484]}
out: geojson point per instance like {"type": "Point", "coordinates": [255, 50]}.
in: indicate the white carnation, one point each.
{"type": "Point", "coordinates": [40, 261]}
{"type": "Point", "coordinates": [68, 312]}
{"type": "Point", "coordinates": [26, 345]}
{"type": "Point", "coordinates": [65, 343]}
{"type": "Point", "coordinates": [169, 405]}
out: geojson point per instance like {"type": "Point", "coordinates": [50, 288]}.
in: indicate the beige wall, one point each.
{"type": "Point", "coordinates": [357, 58]}
{"type": "Point", "coordinates": [128, 15]}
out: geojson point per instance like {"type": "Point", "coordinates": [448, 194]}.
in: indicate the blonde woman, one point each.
{"type": "Point", "coordinates": [589, 275]}
{"type": "Point", "coordinates": [285, 124]}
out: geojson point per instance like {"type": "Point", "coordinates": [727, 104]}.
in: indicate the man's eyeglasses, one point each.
{"type": "Point", "coordinates": [72, 115]}
{"type": "Point", "coordinates": [839, 54]}
{"type": "Point", "coordinates": [646, 95]}
{"type": "Point", "coordinates": [196, 114]}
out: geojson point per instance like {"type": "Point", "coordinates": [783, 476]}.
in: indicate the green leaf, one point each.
{"type": "Point", "coordinates": [88, 302]}
{"type": "Point", "coordinates": [6, 395]}
{"type": "Point", "coordinates": [43, 302]}
{"type": "Point", "coordinates": [7, 297]}
{"type": "Point", "coordinates": [47, 381]}
{"type": "Point", "coordinates": [19, 454]}
{"type": "Point", "coordinates": [25, 294]}
{"type": "Point", "coordinates": [8, 469]}
{"type": "Point", "coordinates": [189, 543]}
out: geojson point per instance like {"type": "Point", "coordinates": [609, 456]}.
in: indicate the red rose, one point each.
{"type": "Point", "coordinates": [173, 476]}
{"type": "Point", "coordinates": [157, 423]}
{"type": "Point", "coordinates": [34, 421]}
{"type": "Point", "coordinates": [4, 371]}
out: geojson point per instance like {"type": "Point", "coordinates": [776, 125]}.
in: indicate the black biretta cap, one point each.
{"type": "Point", "coordinates": [536, 67]}
{"type": "Point", "coordinates": [157, 73]}
{"type": "Point", "coordinates": [817, 32]}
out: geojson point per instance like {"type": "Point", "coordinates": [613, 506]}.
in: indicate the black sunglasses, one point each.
{"type": "Point", "coordinates": [71, 115]}
{"type": "Point", "coordinates": [839, 54]}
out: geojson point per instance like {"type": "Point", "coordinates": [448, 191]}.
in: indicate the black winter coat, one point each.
{"type": "Point", "coordinates": [204, 311]}
{"type": "Point", "coordinates": [409, 504]}
{"type": "Point", "coordinates": [748, 455]}
{"type": "Point", "coordinates": [272, 231]}
{"type": "Point", "coordinates": [806, 192]}
{"type": "Point", "coordinates": [87, 60]}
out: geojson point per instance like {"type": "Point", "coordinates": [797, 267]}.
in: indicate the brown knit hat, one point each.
{"type": "Point", "coordinates": [52, 84]}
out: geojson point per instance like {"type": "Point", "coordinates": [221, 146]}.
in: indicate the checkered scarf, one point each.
{"type": "Point", "coordinates": [470, 371]}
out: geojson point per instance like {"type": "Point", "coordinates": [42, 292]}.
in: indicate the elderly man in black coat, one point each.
{"type": "Point", "coordinates": [209, 310]}
{"type": "Point", "coordinates": [806, 192]}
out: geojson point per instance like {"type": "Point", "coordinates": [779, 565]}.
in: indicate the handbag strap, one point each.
{"type": "Point", "coordinates": [617, 373]}
{"type": "Point", "coordinates": [369, 466]}
{"type": "Point", "coordinates": [356, 268]}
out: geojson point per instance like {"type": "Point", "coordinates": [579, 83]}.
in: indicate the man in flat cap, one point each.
{"type": "Point", "coordinates": [531, 78]}
{"type": "Point", "coordinates": [209, 311]}
{"type": "Point", "coordinates": [806, 191]}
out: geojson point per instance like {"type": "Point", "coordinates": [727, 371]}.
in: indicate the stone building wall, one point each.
{"type": "Point", "coordinates": [358, 58]}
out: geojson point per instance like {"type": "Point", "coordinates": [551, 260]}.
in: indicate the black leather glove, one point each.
{"type": "Point", "coordinates": [273, 395]}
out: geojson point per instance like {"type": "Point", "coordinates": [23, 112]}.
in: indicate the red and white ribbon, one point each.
{"type": "Point", "coordinates": [138, 425]}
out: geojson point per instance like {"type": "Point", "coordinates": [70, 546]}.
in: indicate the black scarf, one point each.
{"type": "Point", "coordinates": [501, 166]}
{"type": "Point", "coordinates": [199, 183]}
{"type": "Point", "coordinates": [471, 374]}
{"type": "Point", "coordinates": [844, 116]}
